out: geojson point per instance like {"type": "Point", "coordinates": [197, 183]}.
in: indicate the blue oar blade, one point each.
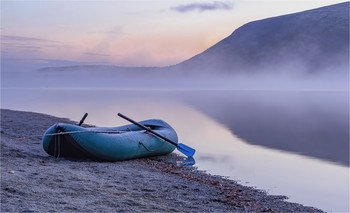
{"type": "Point", "coordinates": [186, 150]}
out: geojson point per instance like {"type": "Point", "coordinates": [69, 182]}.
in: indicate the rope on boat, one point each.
{"type": "Point", "coordinates": [74, 132]}
{"type": "Point", "coordinates": [66, 133]}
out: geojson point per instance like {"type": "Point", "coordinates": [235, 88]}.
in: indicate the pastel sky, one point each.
{"type": "Point", "coordinates": [129, 32]}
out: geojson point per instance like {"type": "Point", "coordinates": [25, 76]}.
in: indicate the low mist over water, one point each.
{"type": "Point", "coordinates": [88, 76]}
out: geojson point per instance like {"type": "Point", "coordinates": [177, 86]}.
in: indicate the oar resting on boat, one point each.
{"type": "Point", "coordinates": [110, 143]}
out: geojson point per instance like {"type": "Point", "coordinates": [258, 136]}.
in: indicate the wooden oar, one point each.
{"type": "Point", "coordinates": [186, 150]}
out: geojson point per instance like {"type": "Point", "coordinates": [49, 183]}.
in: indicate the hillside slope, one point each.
{"type": "Point", "coordinates": [308, 41]}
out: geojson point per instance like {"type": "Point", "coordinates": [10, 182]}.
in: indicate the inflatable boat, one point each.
{"type": "Point", "coordinates": [109, 143]}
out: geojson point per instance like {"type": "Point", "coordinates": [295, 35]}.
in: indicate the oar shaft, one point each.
{"type": "Point", "coordinates": [83, 119]}
{"type": "Point", "coordinates": [147, 128]}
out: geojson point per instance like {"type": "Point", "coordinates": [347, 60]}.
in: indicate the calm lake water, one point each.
{"type": "Point", "coordinates": [288, 143]}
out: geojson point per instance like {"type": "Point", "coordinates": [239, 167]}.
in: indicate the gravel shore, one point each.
{"type": "Point", "coordinates": [32, 181]}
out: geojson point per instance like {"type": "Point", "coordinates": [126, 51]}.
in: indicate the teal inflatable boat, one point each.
{"type": "Point", "coordinates": [109, 143]}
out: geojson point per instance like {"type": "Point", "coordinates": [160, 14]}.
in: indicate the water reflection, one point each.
{"type": "Point", "coordinates": [310, 123]}
{"type": "Point", "coordinates": [189, 161]}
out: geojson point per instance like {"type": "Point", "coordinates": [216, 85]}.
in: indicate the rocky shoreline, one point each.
{"type": "Point", "coordinates": [32, 181]}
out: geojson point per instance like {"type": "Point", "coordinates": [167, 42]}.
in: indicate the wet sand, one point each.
{"type": "Point", "coordinates": [33, 181]}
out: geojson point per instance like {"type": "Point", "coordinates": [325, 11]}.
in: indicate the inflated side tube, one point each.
{"type": "Point", "coordinates": [109, 143]}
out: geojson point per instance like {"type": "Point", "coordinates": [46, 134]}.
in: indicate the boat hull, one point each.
{"type": "Point", "coordinates": [109, 143]}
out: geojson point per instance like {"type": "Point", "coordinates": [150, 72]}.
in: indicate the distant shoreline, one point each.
{"type": "Point", "coordinates": [32, 181]}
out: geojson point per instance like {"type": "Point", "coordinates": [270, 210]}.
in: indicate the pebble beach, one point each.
{"type": "Point", "coordinates": [33, 181]}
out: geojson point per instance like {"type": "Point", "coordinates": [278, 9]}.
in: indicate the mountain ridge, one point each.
{"type": "Point", "coordinates": [308, 42]}
{"type": "Point", "coordinates": [319, 35]}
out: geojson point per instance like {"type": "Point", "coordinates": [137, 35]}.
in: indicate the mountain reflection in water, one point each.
{"type": "Point", "coordinates": [315, 124]}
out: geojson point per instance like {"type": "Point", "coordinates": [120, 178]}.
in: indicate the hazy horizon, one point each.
{"type": "Point", "coordinates": [124, 33]}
